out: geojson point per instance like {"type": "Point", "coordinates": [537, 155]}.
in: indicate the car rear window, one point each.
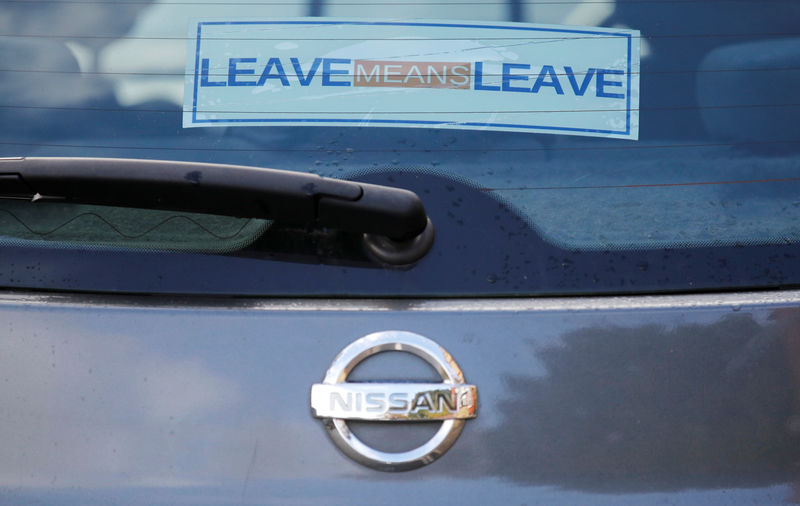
{"type": "Point", "coordinates": [706, 197]}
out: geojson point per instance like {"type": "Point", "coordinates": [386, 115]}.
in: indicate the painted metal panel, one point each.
{"type": "Point", "coordinates": [685, 400]}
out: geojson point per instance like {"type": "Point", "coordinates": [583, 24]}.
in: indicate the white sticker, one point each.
{"type": "Point", "coordinates": [465, 75]}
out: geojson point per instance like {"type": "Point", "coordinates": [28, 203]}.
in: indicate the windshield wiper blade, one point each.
{"type": "Point", "coordinates": [228, 190]}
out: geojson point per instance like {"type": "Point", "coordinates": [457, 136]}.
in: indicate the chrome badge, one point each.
{"type": "Point", "coordinates": [450, 402]}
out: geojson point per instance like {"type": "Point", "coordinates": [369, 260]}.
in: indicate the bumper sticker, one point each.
{"type": "Point", "coordinates": [494, 76]}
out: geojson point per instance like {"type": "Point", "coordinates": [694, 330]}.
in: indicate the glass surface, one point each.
{"type": "Point", "coordinates": [709, 195]}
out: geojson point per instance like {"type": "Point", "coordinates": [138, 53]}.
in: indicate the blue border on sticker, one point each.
{"type": "Point", "coordinates": [627, 130]}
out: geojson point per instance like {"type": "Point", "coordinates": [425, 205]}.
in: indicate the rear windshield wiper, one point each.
{"type": "Point", "coordinates": [394, 223]}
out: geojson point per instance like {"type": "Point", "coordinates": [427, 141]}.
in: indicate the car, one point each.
{"type": "Point", "coordinates": [381, 253]}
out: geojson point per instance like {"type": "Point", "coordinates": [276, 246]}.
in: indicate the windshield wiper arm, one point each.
{"type": "Point", "coordinates": [228, 190]}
